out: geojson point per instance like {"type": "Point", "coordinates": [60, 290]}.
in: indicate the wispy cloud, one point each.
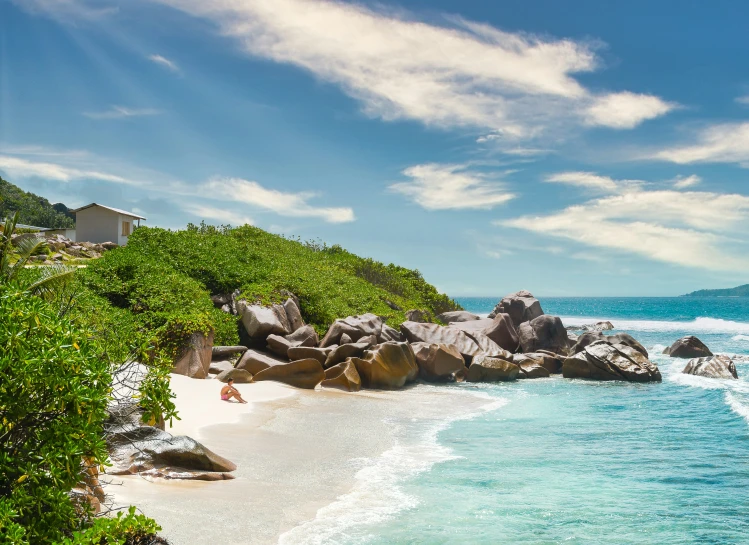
{"type": "Point", "coordinates": [69, 10]}
{"type": "Point", "coordinates": [460, 74]}
{"type": "Point", "coordinates": [694, 229]}
{"type": "Point", "coordinates": [451, 187]}
{"type": "Point", "coordinates": [743, 100]}
{"type": "Point", "coordinates": [121, 112]}
{"type": "Point", "coordinates": [721, 143]}
{"type": "Point", "coordinates": [222, 214]}
{"type": "Point", "coordinates": [590, 180]}
{"type": "Point", "coordinates": [683, 182]}
{"type": "Point", "coordinates": [282, 203]}
{"type": "Point", "coordinates": [23, 168]}
{"type": "Point", "coordinates": [166, 63]}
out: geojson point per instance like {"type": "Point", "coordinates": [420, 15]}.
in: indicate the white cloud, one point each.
{"type": "Point", "coordinates": [121, 112]}
{"type": "Point", "coordinates": [451, 187]}
{"type": "Point", "coordinates": [743, 100]}
{"type": "Point", "coordinates": [284, 204]}
{"type": "Point", "coordinates": [460, 74]}
{"type": "Point", "coordinates": [682, 182]}
{"type": "Point", "coordinates": [723, 143]}
{"type": "Point", "coordinates": [222, 214]}
{"type": "Point", "coordinates": [694, 229]}
{"type": "Point", "coordinates": [163, 61]}
{"type": "Point", "coordinates": [626, 110]}
{"type": "Point", "coordinates": [69, 10]}
{"type": "Point", "coordinates": [584, 179]}
{"type": "Point", "coordinates": [23, 168]}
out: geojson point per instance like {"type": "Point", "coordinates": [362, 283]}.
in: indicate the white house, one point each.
{"type": "Point", "coordinates": [98, 223]}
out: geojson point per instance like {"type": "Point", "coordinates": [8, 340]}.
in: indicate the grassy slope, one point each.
{"type": "Point", "coordinates": [162, 276]}
{"type": "Point", "coordinates": [34, 210]}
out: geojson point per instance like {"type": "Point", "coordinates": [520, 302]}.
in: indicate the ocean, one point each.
{"type": "Point", "coordinates": [566, 461]}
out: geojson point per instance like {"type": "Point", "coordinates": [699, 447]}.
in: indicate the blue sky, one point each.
{"type": "Point", "coordinates": [583, 148]}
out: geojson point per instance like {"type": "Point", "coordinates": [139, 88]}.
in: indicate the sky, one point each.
{"type": "Point", "coordinates": [569, 148]}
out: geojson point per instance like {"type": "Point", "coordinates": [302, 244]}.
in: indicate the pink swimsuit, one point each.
{"type": "Point", "coordinates": [225, 397]}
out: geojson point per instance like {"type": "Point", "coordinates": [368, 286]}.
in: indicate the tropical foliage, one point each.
{"type": "Point", "coordinates": [33, 209]}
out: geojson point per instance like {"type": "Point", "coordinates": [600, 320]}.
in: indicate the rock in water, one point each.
{"type": "Point", "coordinates": [240, 376]}
{"type": "Point", "coordinates": [688, 347]}
{"type": "Point", "coordinates": [343, 376]}
{"type": "Point", "coordinates": [604, 361]}
{"type": "Point", "coordinates": [439, 362]}
{"type": "Point", "coordinates": [521, 306]}
{"type": "Point", "coordinates": [300, 374]}
{"type": "Point", "coordinates": [194, 360]}
{"type": "Point", "coordinates": [485, 369]}
{"type": "Point", "coordinates": [353, 326]}
{"type": "Point", "coordinates": [712, 367]}
{"type": "Point", "coordinates": [620, 338]}
{"type": "Point", "coordinates": [457, 316]}
{"type": "Point", "coordinates": [387, 365]}
{"type": "Point", "coordinates": [544, 333]}
{"type": "Point", "coordinates": [552, 363]}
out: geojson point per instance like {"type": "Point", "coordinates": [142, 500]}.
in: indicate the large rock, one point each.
{"type": "Point", "coordinates": [279, 345]}
{"type": "Point", "coordinates": [255, 361]}
{"type": "Point", "coordinates": [220, 366]}
{"type": "Point", "coordinates": [688, 347]}
{"type": "Point", "coordinates": [355, 327]}
{"type": "Point", "coordinates": [439, 362]}
{"type": "Point", "coordinates": [304, 352]}
{"type": "Point", "coordinates": [343, 376]}
{"type": "Point", "coordinates": [219, 353]}
{"type": "Point", "coordinates": [194, 360]}
{"type": "Point", "coordinates": [604, 361]}
{"type": "Point", "coordinates": [532, 368]}
{"type": "Point", "coordinates": [387, 365]}
{"type": "Point", "coordinates": [135, 448]}
{"type": "Point", "coordinates": [551, 362]}
{"type": "Point", "coordinates": [240, 376]}
{"type": "Point", "coordinates": [389, 334]}
{"type": "Point", "coordinates": [712, 367]}
{"type": "Point", "coordinates": [417, 315]}
{"type": "Point", "coordinates": [293, 314]}
{"type": "Point", "coordinates": [521, 306]}
{"type": "Point", "coordinates": [544, 333]}
{"type": "Point", "coordinates": [598, 326]}
{"type": "Point", "coordinates": [620, 338]}
{"type": "Point", "coordinates": [436, 334]}
{"type": "Point", "coordinates": [300, 374]}
{"type": "Point", "coordinates": [457, 316]}
{"type": "Point", "coordinates": [344, 352]}
{"type": "Point", "coordinates": [485, 369]}
{"type": "Point", "coordinates": [260, 321]}
{"type": "Point", "coordinates": [499, 329]}
{"type": "Point", "coordinates": [304, 336]}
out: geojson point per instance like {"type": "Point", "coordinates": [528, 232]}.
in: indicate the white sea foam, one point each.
{"type": "Point", "coordinates": [742, 409]}
{"type": "Point", "coordinates": [377, 494]}
{"type": "Point", "coordinates": [740, 338]}
{"type": "Point", "coordinates": [698, 325]}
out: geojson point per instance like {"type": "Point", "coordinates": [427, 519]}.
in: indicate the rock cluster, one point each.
{"type": "Point", "coordinates": [688, 347]}
{"type": "Point", "coordinates": [63, 249]}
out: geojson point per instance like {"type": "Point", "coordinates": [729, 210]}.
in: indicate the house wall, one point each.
{"type": "Point", "coordinates": [97, 225]}
{"type": "Point", "coordinates": [133, 224]}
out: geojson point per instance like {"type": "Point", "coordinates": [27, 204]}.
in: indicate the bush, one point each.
{"type": "Point", "coordinates": [53, 396]}
{"type": "Point", "coordinates": [123, 529]}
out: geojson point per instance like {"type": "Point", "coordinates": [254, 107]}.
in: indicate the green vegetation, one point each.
{"type": "Point", "coordinates": [739, 291]}
{"type": "Point", "coordinates": [32, 209]}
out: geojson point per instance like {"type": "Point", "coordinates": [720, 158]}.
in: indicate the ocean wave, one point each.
{"type": "Point", "coordinates": [740, 338]}
{"type": "Point", "coordinates": [739, 408]}
{"type": "Point", "coordinates": [377, 495]}
{"type": "Point", "coordinates": [698, 325]}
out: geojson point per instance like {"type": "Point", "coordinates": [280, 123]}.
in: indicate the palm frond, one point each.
{"type": "Point", "coordinates": [51, 279]}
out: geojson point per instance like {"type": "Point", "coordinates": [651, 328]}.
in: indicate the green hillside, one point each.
{"type": "Point", "coordinates": [739, 291]}
{"type": "Point", "coordinates": [33, 209]}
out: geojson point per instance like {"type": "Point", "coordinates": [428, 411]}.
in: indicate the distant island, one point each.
{"type": "Point", "coordinates": [738, 291]}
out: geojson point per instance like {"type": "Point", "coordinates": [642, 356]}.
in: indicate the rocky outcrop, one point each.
{"type": "Point", "coordinates": [304, 352]}
{"type": "Point", "coordinates": [220, 366]}
{"type": "Point", "coordinates": [304, 336]}
{"type": "Point", "coordinates": [485, 369]}
{"type": "Point", "coordinates": [416, 315]}
{"type": "Point", "coordinates": [712, 367]}
{"type": "Point", "coordinates": [305, 374]}
{"type": "Point", "coordinates": [551, 362]}
{"type": "Point", "coordinates": [520, 306]}
{"type": "Point", "coordinates": [293, 314]}
{"type": "Point", "coordinates": [194, 360]}
{"type": "Point", "coordinates": [219, 353]}
{"type": "Point", "coordinates": [260, 321]}
{"type": "Point", "coordinates": [499, 329]}
{"type": "Point", "coordinates": [688, 347]}
{"type": "Point", "coordinates": [345, 351]}
{"type": "Point", "coordinates": [598, 326]}
{"type": "Point", "coordinates": [620, 338]}
{"type": "Point", "coordinates": [544, 333]}
{"type": "Point", "coordinates": [135, 448]}
{"type": "Point", "coordinates": [240, 376]}
{"type": "Point", "coordinates": [532, 368]}
{"type": "Point", "coordinates": [342, 376]}
{"type": "Point", "coordinates": [353, 326]}
{"type": "Point", "coordinates": [389, 334]}
{"type": "Point", "coordinates": [387, 365]}
{"type": "Point", "coordinates": [439, 362]}
{"type": "Point", "coordinates": [468, 343]}
{"type": "Point", "coordinates": [457, 316]}
{"type": "Point", "coordinates": [604, 361]}
{"type": "Point", "coordinates": [254, 361]}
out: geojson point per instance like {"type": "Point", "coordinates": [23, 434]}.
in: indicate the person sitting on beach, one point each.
{"type": "Point", "coordinates": [229, 391]}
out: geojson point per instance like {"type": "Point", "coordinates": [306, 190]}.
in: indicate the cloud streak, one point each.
{"type": "Point", "coordinates": [24, 168]}
{"type": "Point", "coordinates": [121, 112]}
{"type": "Point", "coordinates": [166, 63]}
{"type": "Point", "coordinates": [721, 143]}
{"type": "Point", "coordinates": [451, 187]}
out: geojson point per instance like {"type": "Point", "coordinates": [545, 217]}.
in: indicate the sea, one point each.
{"type": "Point", "coordinates": [558, 461]}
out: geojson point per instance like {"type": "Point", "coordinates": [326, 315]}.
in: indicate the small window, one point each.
{"type": "Point", "coordinates": [125, 228]}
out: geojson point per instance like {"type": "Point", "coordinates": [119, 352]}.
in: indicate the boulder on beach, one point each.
{"type": "Point", "coordinates": [387, 365]}
{"type": "Point", "coordinates": [255, 361]}
{"type": "Point", "coordinates": [240, 376]}
{"type": "Point", "coordinates": [353, 326]}
{"type": "Point", "coordinates": [220, 366]}
{"type": "Point", "coordinates": [342, 376]}
{"type": "Point", "coordinates": [544, 333]}
{"type": "Point", "coordinates": [304, 336]}
{"type": "Point", "coordinates": [345, 351]}
{"type": "Point", "coordinates": [457, 316]}
{"type": "Point", "coordinates": [260, 321]}
{"type": "Point", "coordinates": [194, 359]}
{"type": "Point", "coordinates": [486, 369]}
{"type": "Point", "coordinates": [293, 314]}
{"type": "Point", "coordinates": [590, 337]}
{"type": "Point", "coordinates": [521, 307]}
{"type": "Point", "coordinates": [389, 334]}
{"type": "Point", "coordinates": [549, 361]}
{"type": "Point", "coordinates": [688, 347]}
{"type": "Point", "coordinates": [305, 374]}
{"type": "Point", "coordinates": [468, 343]}
{"type": "Point", "coordinates": [532, 368]}
{"type": "Point", "coordinates": [219, 353]}
{"type": "Point", "coordinates": [136, 448]}
{"type": "Point", "coordinates": [605, 361]}
{"type": "Point", "coordinates": [439, 362]}
{"type": "Point", "coordinates": [304, 352]}
{"type": "Point", "coordinates": [499, 329]}
{"type": "Point", "coordinates": [712, 367]}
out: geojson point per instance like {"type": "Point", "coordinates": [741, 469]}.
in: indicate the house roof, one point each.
{"type": "Point", "coordinates": [123, 212]}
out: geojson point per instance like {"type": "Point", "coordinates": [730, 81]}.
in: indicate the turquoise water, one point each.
{"type": "Point", "coordinates": [569, 461]}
